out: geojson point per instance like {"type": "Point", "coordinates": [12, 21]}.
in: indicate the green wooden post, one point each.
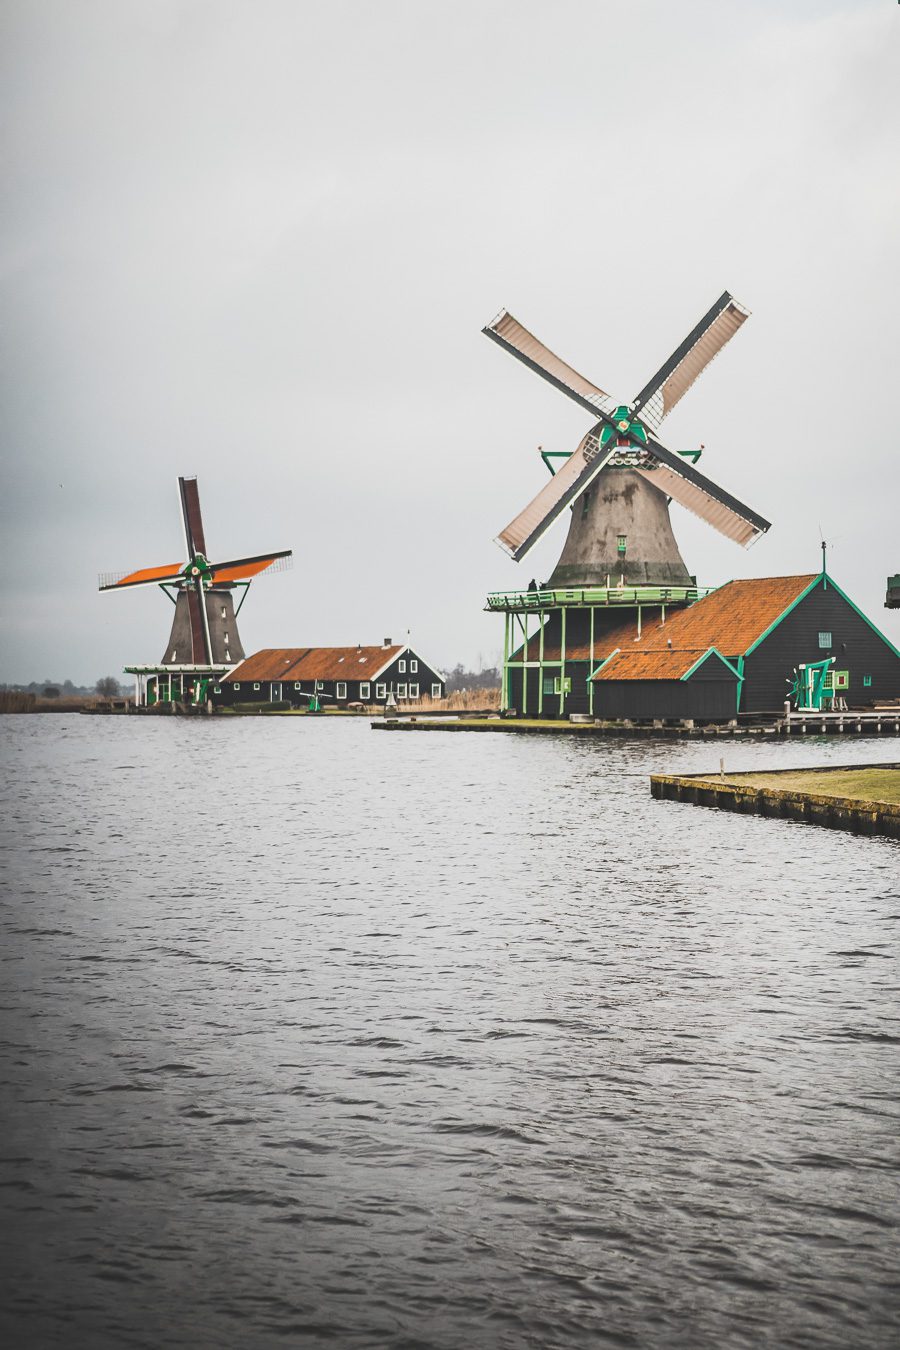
{"type": "Point", "coordinates": [504, 688]}
{"type": "Point", "coordinates": [591, 668]}
{"type": "Point", "coordinates": [524, 623]}
{"type": "Point", "coordinates": [541, 665]}
{"type": "Point", "coordinates": [562, 661]}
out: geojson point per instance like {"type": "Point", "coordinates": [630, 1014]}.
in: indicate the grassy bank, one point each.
{"type": "Point", "coordinates": [878, 784]}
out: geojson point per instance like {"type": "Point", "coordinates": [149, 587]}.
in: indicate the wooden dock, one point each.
{"type": "Point", "coordinates": [837, 804]}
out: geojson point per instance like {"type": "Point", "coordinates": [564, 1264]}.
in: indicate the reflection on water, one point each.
{"type": "Point", "coordinates": [313, 1036]}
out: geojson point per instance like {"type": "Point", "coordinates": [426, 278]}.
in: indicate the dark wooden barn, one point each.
{"type": "Point", "coordinates": [338, 676]}
{"type": "Point", "coordinates": [671, 684]}
{"type": "Point", "coordinates": [764, 629]}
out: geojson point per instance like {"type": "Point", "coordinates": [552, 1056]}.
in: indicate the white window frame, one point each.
{"type": "Point", "coordinates": [435, 691]}
{"type": "Point", "coordinates": [825, 640]}
{"type": "Point", "coordinates": [237, 684]}
{"type": "Point", "coordinates": [414, 691]}
{"type": "Point", "coordinates": [340, 690]}
{"type": "Point", "coordinates": [256, 686]}
{"type": "Point", "coordinates": [297, 684]}
{"type": "Point", "coordinates": [401, 691]}
{"type": "Point", "coordinates": [413, 667]}
{"type": "Point", "coordinates": [364, 689]}
{"type": "Point", "coordinates": [381, 691]}
{"type": "Point", "coordinates": [401, 666]}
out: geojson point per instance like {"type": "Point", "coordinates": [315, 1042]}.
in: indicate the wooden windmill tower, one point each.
{"type": "Point", "coordinates": [620, 552]}
{"type": "Point", "coordinates": [204, 641]}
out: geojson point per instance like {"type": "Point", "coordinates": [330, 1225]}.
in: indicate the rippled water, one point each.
{"type": "Point", "coordinates": [313, 1036]}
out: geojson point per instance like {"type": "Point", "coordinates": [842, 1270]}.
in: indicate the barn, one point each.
{"type": "Point", "coordinates": [338, 676]}
{"type": "Point", "coordinates": [742, 644]}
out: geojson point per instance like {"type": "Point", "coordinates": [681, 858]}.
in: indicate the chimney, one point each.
{"type": "Point", "coordinates": [388, 642]}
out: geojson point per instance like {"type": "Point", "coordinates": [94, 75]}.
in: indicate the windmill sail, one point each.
{"type": "Point", "coordinates": [579, 470]}
{"type": "Point", "coordinates": [673, 379]}
{"type": "Point", "coordinates": [681, 481]}
{"type": "Point", "coordinates": [144, 576]}
{"type": "Point", "coordinates": [525, 347]}
{"type": "Point", "coordinates": [193, 521]}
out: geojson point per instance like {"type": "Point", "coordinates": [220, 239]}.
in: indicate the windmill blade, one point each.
{"type": "Point", "coordinates": [578, 472]}
{"type": "Point", "coordinates": [673, 379]}
{"type": "Point", "coordinates": [146, 576]}
{"type": "Point", "coordinates": [242, 569]}
{"type": "Point", "coordinates": [201, 647]}
{"type": "Point", "coordinates": [681, 481]}
{"type": "Point", "coordinates": [525, 347]}
{"type": "Point", "coordinates": [190, 512]}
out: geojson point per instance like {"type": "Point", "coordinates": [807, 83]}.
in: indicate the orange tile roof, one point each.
{"type": "Point", "coordinates": [669, 663]}
{"type": "Point", "coordinates": [730, 619]}
{"type": "Point", "coordinates": [314, 663]}
{"type": "Point", "coordinates": [604, 643]}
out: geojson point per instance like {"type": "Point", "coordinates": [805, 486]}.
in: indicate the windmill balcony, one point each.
{"type": "Point", "coordinates": [595, 595]}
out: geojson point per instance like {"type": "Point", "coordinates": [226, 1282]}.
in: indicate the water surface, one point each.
{"type": "Point", "coordinates": [313, 1036]}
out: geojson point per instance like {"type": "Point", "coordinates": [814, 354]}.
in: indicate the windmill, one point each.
{"type": "Point", "coordinates": [204, 632]}
{"type": "Point", "coordinates": [622, 474]}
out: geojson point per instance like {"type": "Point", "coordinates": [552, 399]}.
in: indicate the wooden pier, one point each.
{"type": "Point", "coordinates": [834, 797]}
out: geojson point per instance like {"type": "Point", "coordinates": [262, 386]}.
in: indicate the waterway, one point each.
{"type": "Point", "coordinates": [316, 1037]}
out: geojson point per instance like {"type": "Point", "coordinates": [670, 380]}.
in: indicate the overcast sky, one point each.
{"type": "Point", "coordinates": [257, 242]}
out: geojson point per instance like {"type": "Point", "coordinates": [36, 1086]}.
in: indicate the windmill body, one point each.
{"type": "Point", "coordinates": [620, 563]}
{"type": "Point", "coordinates": [204, 640]}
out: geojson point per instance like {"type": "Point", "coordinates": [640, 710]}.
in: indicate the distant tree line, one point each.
{"type": "Point", "coordinates": [107, 687]}
{"type": "Point", "coordinates": [459, 678]}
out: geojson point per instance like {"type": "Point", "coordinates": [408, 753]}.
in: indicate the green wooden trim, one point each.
{"type": "Point", "coordinates": [562, 662]}
{"type": "Point", "coordinates": [590, 682]}
{"type": "Point", "coordinates": [605, 662]}
{"type": "Point", "coordinates": [740, 684]}
{"type": "Point", "coordinates": [711, 651]}
{"type": "Point", "coordinates": [793, 605]}
{"type": "Point", "coordinates": [876, 631]}
{"type": "Point", "coordinates": [541, 664]}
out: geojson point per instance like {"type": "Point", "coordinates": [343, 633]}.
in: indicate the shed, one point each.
{"type": "Point", "coordinates": [669, 683]}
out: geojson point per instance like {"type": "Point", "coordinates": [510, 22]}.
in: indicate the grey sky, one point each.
{"type": "Point", "coordinates": [257, 242]}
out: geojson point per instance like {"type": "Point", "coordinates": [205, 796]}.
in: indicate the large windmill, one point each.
{"type": "Point", "coordinates": [622, 473]}
{"type": "Point", "coordinates": [204, 637]}
{"type": "Point", "coordinates": [620, 549]}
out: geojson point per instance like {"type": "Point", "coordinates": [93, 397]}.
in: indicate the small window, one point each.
{"type": "Point", "coordinates": [401, 666]}
{"type": "Point", "coordinates": [842, 679]}
{"type": "Point", "coordinates": [401, 691]}
{"type": "Point", "coordinates": [621, 542]}
{"type": "Point", "coordinates": [341, 689]}
{"type": "Point", "coordinates": [413, 667]}
{"type": "Point", "coordinates": [319, 685]}
{"type": "Point", "coordinates": [380, 690]}
{"type": "Point", "coordinates": [297, 684]}
{"type": "Point", "coordinates": [217, 688]}
{"type": "Point", "coordinates": [224, 612]}
{"type": "Point", "coordinates": [256, 686]}
{"type": "Point", "coordinates": [414, 691]}
{"type": "Point", "coordinates": [867, 681]}
{"type": "Point", "coordinates": [562, 685]}
{"type": "Point", "coordinates": [435, 691]}
{"type": "Point", "coordinates": [237, 684]}
{"type": "Point", "coordinates": [549, 684]}
{"type": "Point", "coordinates": [824, 640]}
{"type": "Point", "coordinates": [364, 688]}
{"type": "Point", "coordinates": [584, 503]}
{"type": "Point", "coordinates": [829, 679]}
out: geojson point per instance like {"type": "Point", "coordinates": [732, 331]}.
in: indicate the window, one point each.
{"type": "Point", "coordinates": [217, 688]}
{"type": "Point", "coordinates": [842, 679]}
{"type": "Point", "coordinates": [562, 685]}
{"type": "Point", "coordinates": [414, 691]}
{"type": "Point", "coordinates": [237, 684]}
{"type": "Point", "coordinates": [413, 667]}
{"type": "Point", "coordinates": [867, 681]}
{"type": "Point", "coordinates": [401, 691]}
{"type": "Point", "coordinates": [341, 689]}
{"type": "Point", "coordinates": [621, 542]}
{"type": "Point", "coordinates": [584, 503]}
{"type": "Point", "coordinates": [319, 685]}
{"type": "Point", "coordinates": [380, 690]}
{"type": "Point", "coordinates": [401, 666]}
{"type": "Point", "coordinates": [224, 612]}
{"type": "Point", "coordinates": [824, 640]}
{"type": "Point", "coordinates": [297, 685]}
{"type": "Point", "coordinates": [435, 691]}
{"type": "Point", "coordinates": [364, 688]}
{"type": "Point", "coordinates": [256, 686]}
{"type": "Point", "coordinates": [549, 684]}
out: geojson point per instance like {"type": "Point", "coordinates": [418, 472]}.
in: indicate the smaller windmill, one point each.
{"type": "Point", "coordinates": [204, 636]}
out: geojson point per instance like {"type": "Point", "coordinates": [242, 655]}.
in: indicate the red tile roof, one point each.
{"type": "Point", "coordinates": [730, 619]}
{"type": "Point", "coordinates": [670, 663]}
{"type": "Point", "coordinates": [604, 643]}
{"type": "Point", "coordinates": [314, 663]}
